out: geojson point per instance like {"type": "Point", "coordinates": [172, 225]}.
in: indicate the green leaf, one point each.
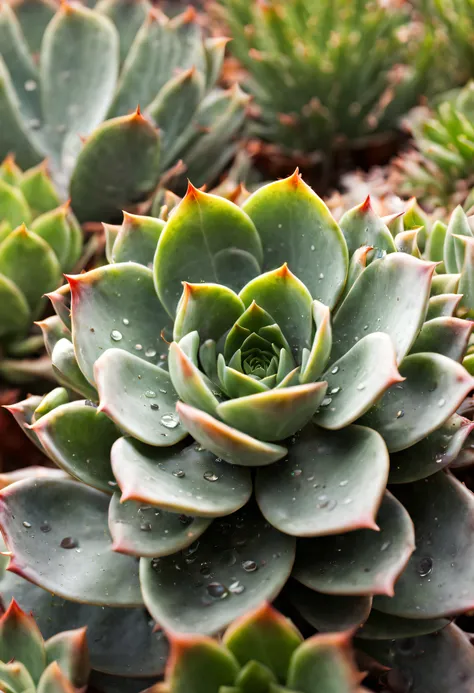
{"type": "Point", "coordinates": [361, 226]}
{"type": "Point", "coordinates": [184, 479]}
{"type": "Point", "coordinates": [54, 228]}
{"type": "Point", "coordinates": [52, 330]}
{"type": "Point", "coordinates": [226, 442]}
{"type": "Point", "coordinates": [54, 681]}
{"type": "Point", "coordinates": [253, 320]}
{"type": "Point", "coordinates": [139, 397]}
{"type": "Point", "coordinates": [111, 232]}
{"type": "Point", "coordinates": [401, 284]}
{"type": "Point", "coordinates": [466, 283]}
{"type": "Point", "coordinates": [14, 309]}
{"type": "Point", "coordinates": [329, 613]}
{"type": "Point", "coordinates": [287, 300]}
{"type": "Point", "coordinates": [266, 636]}
{"type": "Point", "coordinates": [137, 239]}
{"type": "Point", "coordinates": [34, 16]}
{"type": "Point", "coordinates": [296, 227]}
{"type": "Point", "coordinates": [276, 414]}
{"type": "Point", "coordinates": [323, 663]}
{"type": "Point", "coordinates": [79, 439]}
{"type": "Point", "coordinates": [255, 678]}
{"type": "Point", "coordinates": [73, 558]}
{"type": "Point", "coordinates": [210, 309]}
{"type": "Point", "coordinates": [354, 385]}
{"type": "Point", "coordinates": [127, 17]}
{"type": "Point", "coordinates": [442, 305]}
{"type": "Point", "coordinates": [50, 401]}
{"type": "Point", "coordinates": [203, 233]}
{"type": "Point", "coordinates": [13, 205]}
{"type": "Point", "coordinates": [458, 226]}
{"type": "Point", "coordinates": [144, 530]}
{"type": "Point", "coordinates": [69, 649]}
{"type": "Point", "coordinates": [445, 335]}
{"type": "Point", "coordinates": [20, 640]}
{"type": "Point", "coordinates": [261, 565]}
{"type": "Point", "coordinates": [61, 302]}
{"type": "Point", "coordinates": [37, 186]}
{"type": "Point", "coordinates": [31, 264]}
{"type": "Point", "coordinates": [118, 166]}
{"type": "Point", "coordinates": [322, 344]}
{"type": "Point", "coordinates": [436, 581]}
{"type": "Point", "coordinates": [331, 482]}
{"type": "Point", "coordinates": [63, 360]}
{"type": "Point", "coordinates": [79, 68]}
{"type": "Point", "coordinates": [363, 562]}
{"type": "Point", "coordinates": [381, 626]}
{"type": "Point", "coordinates": [23, 413]}
{"type": "Point", "coordinates": [433, 388]}
{"type": "Point", "coordinates": [199, 665]}
{"type": "Point", "coordinates": [433, 453]}
{"type": "Point", "coordinates": [445, 284]}
{"type": "Point", "coordinates": [15, 678]}
{"type": "Point", "coordinates": [116, 307]}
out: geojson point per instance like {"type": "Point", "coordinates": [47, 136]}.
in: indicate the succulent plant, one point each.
{"type": "Point", "coordinates": [262, 651]}
{"type": "Point", "coordinates": [28, 663]}
{"type": "Point", "coordinates": [235, 430]}
{"type": "Point", "coordinates": [39, 240]}
{"type": "Point", "coordinates": [439, 170]}
{"type": "Point", "coordinates": [94, 67]}
{"type": "Point", "coordinates": [327, 76]}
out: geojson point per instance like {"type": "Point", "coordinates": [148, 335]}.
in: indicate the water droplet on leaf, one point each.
{"type": "Point", "coordinates": [425, 566]}
{"type": "Point", "coordinates": [210, 476]}
{"type": "Point", "coordinates": [69, 543]}
{"type": "Point", "coordinates": [169, 421]}
{"type": "Point", "coordinates": [116, 335]}
{"type": "Point", "coordinates": [249, 566]}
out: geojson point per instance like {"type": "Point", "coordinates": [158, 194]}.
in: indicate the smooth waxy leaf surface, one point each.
{"type": "Point", "coordinates": [14, 309]}
{"type": "Point", "coordinates": [137, 239]}
{"type": "Point", "coordinates": [53, 330]}
{"type": "Point", "coordinates": [116, 307]}
{"type": "Point", "coordinates": [436, 582]}
{"type": "Point", "coordinates": [23, 413]}
{"type": "Point", "coordinates": [79, 439]}
{"type": "Point", "coordinates": [145, 530]}
{"type": "Point", "coordinates": [401, 284]}
{"type": "Point", "coordinates": [362, 227]}
{"type": "Point", "coordinates": [67, 371]}
{"type": "Point", "coordinates": [184, 479]}
{"type": "Point", "coordinates": [320, 351]}
{"type": "Point", "coordinates": [191, 385]}
{"type": "Point", "coordinates": [326, 659]}
{"type": "Point", "coordinates": [444, 335]}
{"type": "Point", "coordinates": [38, 189]}
{"type": "Point", "coordinates": [139, 397]}
{"type": "Point", "coordinates": [381, 626]}
{"type": "Point", "coordinates": [69, 649]}
{"type": "Point", "coordinates": [266, 636]}
{"type": "Point", "coordinates": [296, 227]}
{"type": "Point", "coordinates": [329, 613]}
{"type": "Point", "coordinates": [433, 388]}
{"type": "Point", "coordinates": [54, 681]}
{"type": "Point", "coordinates": [241, 551]}
{"type": "Point", "coordinates": [200, 665]}
{"type": "Point", "coordinates": [204, 234]}
{"type": "Point", "coordinates": [353, 382]}
{"type": "Point", "coordinates": [20, 640]}
{"type": "Point", "coordinates": [276, 414]}
{"type": "Point", "coordinates": [74, 558]}
{"type": "Point", "coordinates": [208, 308]}
{"type": "Point", "coordinates": [452, 252]}
{"type": "Point", "coordinates": [331, 482]}
{"type": "Point", "coordinates": [361, 562]}
{"type": "Point", "coordinates": [442, 305]}
{"type": "Point", "coordinates": [13, 205]}
{"type": "Point", "coordinates": [61, 301]}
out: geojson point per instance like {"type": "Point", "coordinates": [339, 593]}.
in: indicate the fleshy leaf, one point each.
{"type": "Point", "coordinates": [140, 530]}
{"type": "Point", "coordinates": [64, 363]}
{"type": "Point", "coordinates": [435, 582]}
{"type": "Point", "coordinates": [192, 386]}
{"type": "Point", "coordinates": [14, 308]}
{"type": "Point", "coordinates": [54, 681]}
{"type": "Point", "coordinates": [210, 309]}
{"type": "Point", "coordinates": [445, 335]}
{"type": "Point", "coordinates": [61, 301]}
{"type": "Point", "coordinates": [320, 351]}
{"type": "Point", "coordinates": [69, 649]}
{"type": "Point", "coordinates": [53, 330]}
{"type": "Point", "coordinates": [137, 239]}
{"type": "Point", "coordinates": [50, 401]}
{"type": "Point", "coordinates": [276, 414]}
{"type": "Point", "coordinates": [241, 574]}
{"type": "Point", "coordinates": [361, 226]}
{"type": "Point", "coordinates": [381, 626]}
{"type": "Point", "coordinates": [331, 482]}
{"type": "Point", "coordinates": [139, 397]}
{"type": "Point", "coordinates": [116, 307]}
{"type": "Point", "coordinates": [442, 305]}
{"type": "Point", "coordinates": [353, 382]}
{"type": "Point", "coordinates": [433, 388]}
{"type": "Point", "coordinates": [13, 207]}
{"type": "Point", "coordinates": [73, 559]}
{"type": "Point", "coordinates": [329, 613]}
{"type": "Point", "coordinates": [226, 442]}
{"type": "Point", "coordinates": [266, 636]}
{"type": "Point", "coordinates": [458, 226]}
{"type": "Point", "coordinates": [362, 562]}
{"type": "Point", "coordinates": [402, 285]}
{"type": "Point", "coordinates": [85, 457]}
{"type": "Point", "coordinates": [20, 640]}
{"type": "Point", "coordinates": [37, 187]}
{"type": "Point", "coordinates": [202, 231]}
{"type": "Point", "coordinates": [199, 665]}
{"type": "Point", "coordinates": [296, 227]}
{"type": "Point", "coordinates": [184, 479]}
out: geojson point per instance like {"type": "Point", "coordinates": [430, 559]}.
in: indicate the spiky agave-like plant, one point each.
{"type": "Point", "coordinates": [28, 663]}
{"type": "Point", "coordinates": [259, 413]}
{"type": "Point", "coordinates": [39, 240]}
{"type": "Point", "coordinates": [328, 76]}
{"type": "Point", "coordinates": [94, 67]}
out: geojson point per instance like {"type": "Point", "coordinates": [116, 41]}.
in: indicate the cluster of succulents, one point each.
{"type": "Point", "coordinates": [243, 427]}
{"type": "Point", "coordinates": [29, 664]}
{"type": "Point", "coordinates": [327, 76]}
{"type": "Point", "coordinates": [70, 85]}
{"type": "Point", "coordinates": [39, 240]}
{"type": "Point", "coordinates": [439, 170]}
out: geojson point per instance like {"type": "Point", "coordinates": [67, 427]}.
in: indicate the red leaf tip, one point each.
{"type": "Point", "coordinates": [366, 206]}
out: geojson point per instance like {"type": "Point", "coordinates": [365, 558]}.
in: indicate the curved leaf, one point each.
{"type": "Point", "coordinates": [331, 482]}
{"type": "Point", "coordinates": [185, 479]}
{"type": "Point", "coordinates": [14, 309]}
{"type": "Point", "coordinates": [320, 351]}
{"type": "Point", "coordinates": [72, 558]}
{"type": "Point", "coordinates": [137, 239]}
{"type": "Point", "coordinates": [241, 551]}
{"type": "Point", "coordinates": [210, 309]}
{"type": "Point", "coordinates": [458, 226]}
{"type": "Point", "coordinates": [200, 665]}
{"type": "Point", "coordinates": [296, 227]}
{"type": "Point", "coordinates": [191, 385]}
{"type": "Point", "coordinates": [329, 613]}
{"type": "Point", "coordinates": [444, 335]}
{"type": "Point", "coordinates": [67, 371]}
{"type": "Point", "coordinates": [226, 442]}
{"type": "Point", "coordinates": [362, 227]}
{"type": "Point", "coordinates": [21, 641]}
{"type": "Point", "coordinates": [442, 305]}
{"type": "Point", "coordinates": [381, 626]}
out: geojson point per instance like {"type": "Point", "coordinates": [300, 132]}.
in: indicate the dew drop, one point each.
{"type": "Point", "coordinates": [335, 370]}
{"type": "Point", "coordinates": [400, 414]}
{"type": "Point", "coordinates": [126, 321]}
{"type": "Point", "coordinates": [185, 520]}
{"type": "Point", "coordinates": [335, 390]}
{"type": "Point", "coordinates": [154, 406]}
{"type": "Point", "coordinates": [331, 504]}
{"type": "Point", "coordinates": [321, 276]}
{"type": "Point", "coordinates": [236, 588]}
{"type": "Point", "coordinates": [179, 474]}
{"type": "Point", "coordinates": [27, 524]}
{"type": "Point", "coordinates": [45, 527]}
{"type": "Point", "coordinates": [425, 566]}
{"type": "Point", "coordinates": [30, 85]}
{"type": "Point", "coordinates": [116, 335]}
{"type": "Point", "coordinates": [69, 543]}
{"type": "Point", "coordinates": [145, 527]}
{"type": "Point", "coordinates": [169, 421]}
{"type": "Point", "coordinates": [249, 566]}
{"type": "Point", "coordinates": [89, 403]}
{"type": "Point", "coordinates": [210, 476]}
{"type": "Point", "coordinates": [326, 402]}
{"type": "Point", "coordinates": [361, 386]}
{"type": "Point", "coordinates": [313, 247]}
{"type": "Point", "coordinates": [385, 545]}
{"type": "Point", "coordinates": [344, 482]}
{"type": "Point", "coordinates": [163, 392]}
{"type": "Point", "coordinates": [138, 347]}
{"type": "Point", "coordinates": [150, 394]}
{"type": "Point", "coordinates": [112, 483]}
{"type": "Point", "coordinates": [297, 472]}
{"type": "Point", "coordinates": [441, 402]}
{"type": "Point", "coordinates": [150, 353]}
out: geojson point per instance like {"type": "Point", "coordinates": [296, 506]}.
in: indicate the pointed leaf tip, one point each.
{"type": "Point", "coordinates": [366, 206]}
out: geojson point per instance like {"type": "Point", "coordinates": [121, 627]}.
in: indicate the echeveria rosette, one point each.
{"type": "Point", "coordinates": [28, 663]}
{"type": "Point", "coordinates": [298, 356]}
